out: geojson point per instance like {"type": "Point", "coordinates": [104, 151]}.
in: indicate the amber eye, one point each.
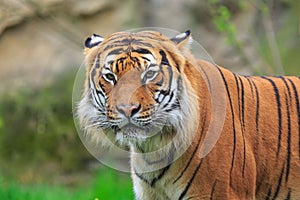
{"type": "Point", "coordinates": [110, 77]}
{"type": "Point", "coordinates": [150, 74]}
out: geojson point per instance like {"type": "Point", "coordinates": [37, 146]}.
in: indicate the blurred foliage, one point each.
{"type": "Point", "coordinates": [222, 19]}
{"type": "Point", "coordinates": [275, 43]}
{"type": "Point", "coordinates": [280, 51]}
{"type": "Point", "coordinates": [36, 126]}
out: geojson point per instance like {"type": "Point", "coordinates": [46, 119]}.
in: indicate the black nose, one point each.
{"type": "Point", "coordinates": [128, 110]}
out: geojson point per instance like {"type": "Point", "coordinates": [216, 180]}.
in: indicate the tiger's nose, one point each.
{"type": "Point", "coordinates": [128, 110]}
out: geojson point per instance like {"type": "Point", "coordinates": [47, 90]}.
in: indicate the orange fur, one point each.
{"type": "Point", "coordinates": [258, 153]}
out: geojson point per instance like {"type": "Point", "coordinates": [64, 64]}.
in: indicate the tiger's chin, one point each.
{"type": "Point", "coordinates": [149, 137]}
{"type": "Point", "coordinates": [130, 133]}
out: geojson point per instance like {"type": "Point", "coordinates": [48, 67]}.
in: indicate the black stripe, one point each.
{"type": "Point", "coordinates": [161, 174]}
{"type": "Point", "coordinates": [269, 194]}
{"type": "Point", "coordinates": [213, 190]}
{"type": "Point", "coordinates": [163, 93]}
{"type": "Point", "coordinates": [176, 104]}
{"type": "Point", "coordinates": [115, 45]}
{"type": "Point", "coordinates": [287, 86]}
{"type": "Point", "coordinates": [94, 96]}
{"type": "Point", "coordinates": [118, 36]}
{"type": "Point", "coordinates": [116, 51]}
{"type": "Point", "coordinates": [238, 95]}
{"type": "Point", "coordinates": [243, 124]}
{"type": "Point", "coordinates": [288, 104]}
{"type": "Point", "coordinates": [233, 124]}
{"type": "Point", "coordinates": [133, 58]}
{"type": "Point", "coordinates": [126, 40]}
{"type": "Point", "coordinates": [260, 182]}
{"type": "Point", "coordinates": [288, 196]}
{"type": "Point", "coordinates": [103, 95]}
{"type": "Point", "coordinates": [117, 66]}
{"type": "Point", "coordinates": [141, 177]}
{"type": "Point", "coordinates": [101, 86]}
{"type": "Point", "coordinates": [257, 108]}
{"type": "Point", "coordinates": [174, 60]}
{"type": "Point", "coordinates": [164, 59]}
{"type": "Point", "coordinates": [167, 92]}
{"type": "Point", "coordinates": [195, 150]}
{"type": "Point", "coordinates": [140, 43]}
{"type": "Point", "coordinates": [97, 66]}
{"type": "Point", "coordinates": [251, 86]}
{"type": "Point", "coordinates": [277, 95]}
{"type": "Point", "coordinates": [166, 62]}
{"type": "Point", "coordinates": [148, 35]}
{"type": "Point", "coordinates": [256, 117]}
{"type": "Point", "coordinates": [241, 106]}
{"type": "Point", "coordinates": [298, 112]}
{"type": "Point", "coordinates": [188, 185]}
{"type": "Point", "coordinates": [278, 184]}
{"type": "Point", "coordinates": [170, 99]}
{"type": "Point", "coordinates": [288, 156]}
{"type": "Point", "coordinates": [97, 92]}
{"type": "Point", "coordinates": [141, 51]}
{"type": "Point", "coordinates": [93, 74]}
{"type": "Point", "coordinates": [243, 103]}
{"type": "Point", "coordinates": [170, 77]}
{"type": "Point", "coordinates": [145, 58]}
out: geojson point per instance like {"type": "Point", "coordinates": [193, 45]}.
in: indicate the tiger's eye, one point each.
{"type": "Point", "coordinates": [150, 74]}
{"type": "Point", "coordinates": [109, 77]}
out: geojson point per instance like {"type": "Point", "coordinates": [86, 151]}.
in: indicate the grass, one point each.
{"type": "Point", "coordinates": [107, 184]}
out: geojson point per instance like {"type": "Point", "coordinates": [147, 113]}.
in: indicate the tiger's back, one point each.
{"type": "Point", "coordinates": [265, 116]}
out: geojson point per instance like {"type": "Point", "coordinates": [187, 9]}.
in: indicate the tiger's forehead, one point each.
{"type": "Point", "coordinates": [123, 42]}
{"type": "Point", "coordinates": [131, 45]}
{"type": "Point", "coordinates": [124, 51]}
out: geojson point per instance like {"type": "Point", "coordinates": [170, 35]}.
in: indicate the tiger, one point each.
{"type": "Point", "coordinates": [145, 92]}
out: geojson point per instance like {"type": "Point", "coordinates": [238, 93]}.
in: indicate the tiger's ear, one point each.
{"type": "Point", "coordinates": [183, 39]}
{"type": "Point", "coordinates": [92, 41]}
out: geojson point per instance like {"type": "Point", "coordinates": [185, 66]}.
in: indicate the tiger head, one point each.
{"type": "Point", "coordinates": [136, 88]}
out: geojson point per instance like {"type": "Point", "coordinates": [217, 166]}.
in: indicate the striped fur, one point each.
{"type": "Point", "coordinates": [152, 82]}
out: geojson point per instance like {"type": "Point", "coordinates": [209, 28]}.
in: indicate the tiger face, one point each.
{"type": "Point", "coordinates": [133, 91]}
